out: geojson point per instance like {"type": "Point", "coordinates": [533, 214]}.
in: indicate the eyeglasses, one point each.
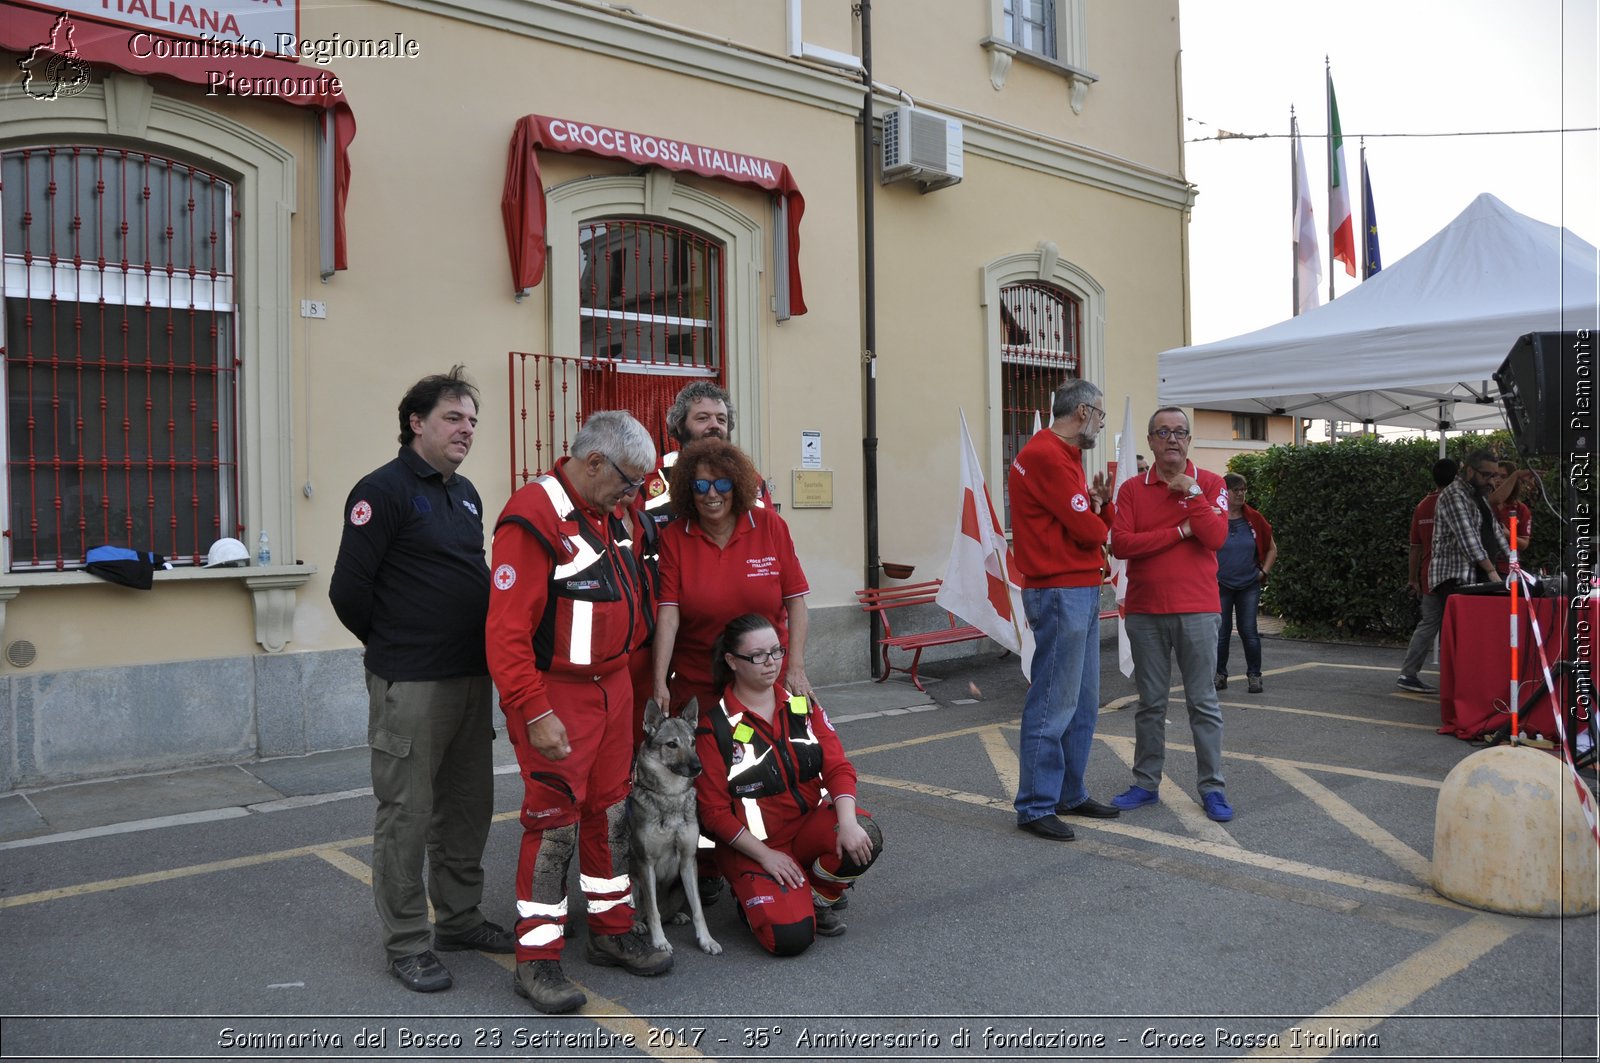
{"type": "Point", "coordinates": [1096, 409]}
{"type": "Point", "coordinates": [774, 654]}
{"type": "Point", "coordinates": [1171, 433]}
{"type": "Point", "coordinates": [722, 484]}
{"type": "Point", "coordinates": [633, 485]}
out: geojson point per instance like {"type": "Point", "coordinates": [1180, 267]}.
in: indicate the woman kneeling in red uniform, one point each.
{"type": "Point", "coordinates": [788, 848]}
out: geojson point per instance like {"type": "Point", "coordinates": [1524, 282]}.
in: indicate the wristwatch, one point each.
{"type": "Point", "coordinates": [1195, 491]}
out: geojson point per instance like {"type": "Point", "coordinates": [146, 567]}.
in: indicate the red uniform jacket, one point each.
{"type": "Point", "coordinates": [567, 597]}
{"type": "Point", "coordinates": [725, 815]}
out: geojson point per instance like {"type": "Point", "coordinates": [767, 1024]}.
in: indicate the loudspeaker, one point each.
{"type": "Point", "coordinates": [1530, 380]}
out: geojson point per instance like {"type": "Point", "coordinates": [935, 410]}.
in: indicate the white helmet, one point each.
{"type": "Point", "coordinates": [227, 553]}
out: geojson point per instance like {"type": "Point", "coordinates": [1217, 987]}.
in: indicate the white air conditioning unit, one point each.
{"type": "Point", "coordinates": [921, 146]}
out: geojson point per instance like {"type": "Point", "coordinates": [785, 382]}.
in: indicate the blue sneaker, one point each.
{"type": "Point", "coordinates": [1217, 807]}
{"type": "Point", "coordinates": [1133, 797]}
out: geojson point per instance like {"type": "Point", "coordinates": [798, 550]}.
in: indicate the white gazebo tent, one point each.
{"type": "Point", "coordinates": [1414, 346]}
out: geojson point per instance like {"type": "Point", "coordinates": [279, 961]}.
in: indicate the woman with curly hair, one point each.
{"type": "Point", "coordinates": [723, 557]}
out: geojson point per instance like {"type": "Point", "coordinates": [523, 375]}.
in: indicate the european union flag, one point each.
{"type": "Point", "coordinates": [1371, 259]}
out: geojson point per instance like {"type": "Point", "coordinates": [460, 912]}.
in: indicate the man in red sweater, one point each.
{"type": "Point", "coordinates": [1168, 526]}
{"type": "Point", "coordinates": [1059, 523]}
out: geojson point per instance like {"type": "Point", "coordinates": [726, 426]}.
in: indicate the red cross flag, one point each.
{"type": "Point", "coordinates": [977, 583]}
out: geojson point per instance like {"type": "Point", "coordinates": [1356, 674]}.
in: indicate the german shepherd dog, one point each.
{"type": "Point", "coordinates": [663, 830]}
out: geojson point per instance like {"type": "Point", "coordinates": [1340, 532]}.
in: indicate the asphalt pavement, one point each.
{"type": "Point", "coordinates": [224, 912]}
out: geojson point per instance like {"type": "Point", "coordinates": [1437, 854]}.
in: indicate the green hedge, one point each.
{"type": "Point", "coordinates": [1341, 514]}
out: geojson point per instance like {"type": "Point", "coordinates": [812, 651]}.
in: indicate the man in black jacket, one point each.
{"type": "Point", "coordinates": [412, 584]}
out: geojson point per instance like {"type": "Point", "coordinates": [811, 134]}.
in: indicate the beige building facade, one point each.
{"type": "Point", "coordinates": [241, 384]}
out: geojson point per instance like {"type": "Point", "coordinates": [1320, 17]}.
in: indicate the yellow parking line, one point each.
{"type": "Point", "coordinates": [1186, 808]}
{"type": "Point", "coordinates": [1256, 707]}
{"type": "Point", "coordinates": [1337, 769]}
{"type": "Point", "coordinates": [906, 743]}
{"type": "Point", "coordinates": [1003, 759]}
{"type": "Point", "coordinates": [603, 1010]}
{"type": "Point", "coordinates": [342, 860]}
{"type": "Point", "coordinates": [1358, 823]}
{"type": "Point", "coordinates": [1237, 855]}
{"type": "Point", "coordinates": [85, 888]}
{"type": "Point", "coordinates": [1368, 1005]}
{"type": "Point", "coordinates": [210, 867]}
{"type": "Point", "coordinates": [1131, 699]}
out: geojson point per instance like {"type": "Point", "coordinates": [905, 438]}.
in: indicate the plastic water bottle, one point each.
{"type": "Point", "coordinates": [263, 551]}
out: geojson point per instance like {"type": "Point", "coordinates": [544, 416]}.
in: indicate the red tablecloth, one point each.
{"type": "Point", "coordinates": [1475, 662]}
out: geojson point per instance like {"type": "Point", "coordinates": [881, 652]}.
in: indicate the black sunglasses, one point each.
{"type": "Point", "coordinates": [722, 484]}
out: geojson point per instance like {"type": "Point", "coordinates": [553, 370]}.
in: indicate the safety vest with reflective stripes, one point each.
{"type": "Point", "coordinates": [759, 769]}
{"type": "Point", "coordinates": [601, 586]}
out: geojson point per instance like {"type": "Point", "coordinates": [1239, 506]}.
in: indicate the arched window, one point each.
{"type": "Point", "coordinates": [1038, 353]}
{"type": "Point", "coordinates": [650, 295]}
{"type": "Point", "coordinates": [650, 304]}
{"type": "Point", "coordinates": [121, 354]}
{"type": "Point", "coordinates": [1045, 323]}
{"type": "Point", "coordinates": [651, 284]}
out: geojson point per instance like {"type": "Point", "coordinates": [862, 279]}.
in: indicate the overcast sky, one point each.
{"type": "Point", "coordinates": [1399, 66]}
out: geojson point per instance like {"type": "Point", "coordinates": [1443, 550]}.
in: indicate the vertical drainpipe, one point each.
{"type": "Point", "coordinates": [869, 335]}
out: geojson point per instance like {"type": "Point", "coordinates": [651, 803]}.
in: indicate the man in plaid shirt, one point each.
{"type": "Point", "coordinates": [1466, 536]}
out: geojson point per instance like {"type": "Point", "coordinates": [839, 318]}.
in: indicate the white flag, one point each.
{"type": "Point", "coordinates": [977, 582]}
{"type": "Point", "coordinates": [1127, 469]}
{"type": "Point", "coordinates": [1307, 259]}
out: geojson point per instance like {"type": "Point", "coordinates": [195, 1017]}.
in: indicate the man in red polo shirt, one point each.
{"type": "Point", "coordinates": [1168, 526]}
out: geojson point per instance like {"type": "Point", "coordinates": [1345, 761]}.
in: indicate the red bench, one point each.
{"type": "Point", "coordinates": [884, 600]}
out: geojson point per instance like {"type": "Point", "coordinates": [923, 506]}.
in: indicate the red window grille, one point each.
{"type": "Point", "coordinates": [121, 355]}
{"type": "Point", "coordinates": [650, 319]}
{"type": "Point", "coordinates": [650, 296]}
{"type": "Point", "coordinates": [1040, 341]}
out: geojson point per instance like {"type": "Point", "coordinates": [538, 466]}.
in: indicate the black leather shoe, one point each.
{"type": "Point", "coordinates": [421, 973]}
{"type": "Point", "coordinates": [1048, 827]}
{"type": "Point", "coordinates": [1091, 808]}
{"type": "Point", "coordinates": [485, 937]}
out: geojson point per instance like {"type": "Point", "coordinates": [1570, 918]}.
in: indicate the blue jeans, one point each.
{"type": "Point", "coordinates": [1247, 603]}
{"type": "Point", "coordinates": [1063, 701]}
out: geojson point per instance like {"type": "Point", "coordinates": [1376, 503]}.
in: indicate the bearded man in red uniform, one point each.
{"type": "Point", "coordinates": [568, 606]}
{"type": "Point", "coordinates": [1060, 522]}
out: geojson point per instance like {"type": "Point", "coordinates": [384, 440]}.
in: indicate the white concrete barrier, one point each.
{"type": "Point", "coordinates": [1510, 836]}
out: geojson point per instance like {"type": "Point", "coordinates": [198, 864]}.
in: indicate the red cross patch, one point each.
{"type": "Point", "coordinates": [360, 513]}
{"type": "Point", "coordinates": [504, 577]}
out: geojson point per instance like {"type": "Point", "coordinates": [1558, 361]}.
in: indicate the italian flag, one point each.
{"type": "Point", "coordinates": [1341, 229]}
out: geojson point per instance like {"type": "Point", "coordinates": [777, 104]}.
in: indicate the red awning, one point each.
{"type": "Point", "coordinates": [522, 202]}
{"type": "Point", "coordinates": [24, 28]}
